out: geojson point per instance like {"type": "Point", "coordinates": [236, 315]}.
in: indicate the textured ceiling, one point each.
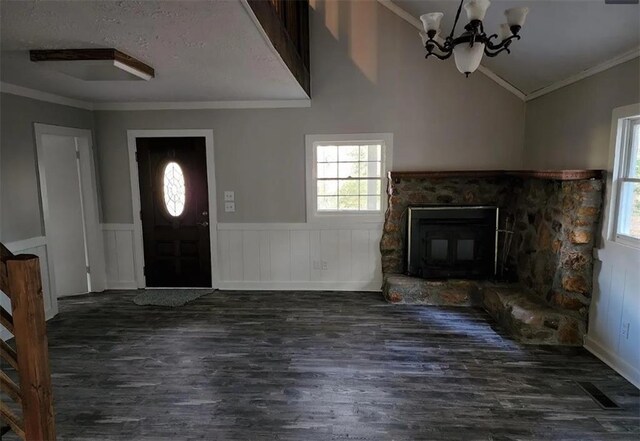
{"type": "Point", "coordinates": [561, 38]}
{"type": "Point", "coordinates": [200, 50]}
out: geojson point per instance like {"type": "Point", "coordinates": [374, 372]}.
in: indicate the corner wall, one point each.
{"type": "Point", "coordinates": [570, 127]}
{"type": "Point", "coordinates": [20, 206]}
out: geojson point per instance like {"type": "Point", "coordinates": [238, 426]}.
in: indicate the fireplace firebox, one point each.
{"type": "Point", "coordinates": [452, 242]}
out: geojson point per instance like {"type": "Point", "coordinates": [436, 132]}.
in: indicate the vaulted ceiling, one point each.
{"type": "Point", "coordinates": [561, 38]}
{"type": "Point", "coordinates": [201, 50]}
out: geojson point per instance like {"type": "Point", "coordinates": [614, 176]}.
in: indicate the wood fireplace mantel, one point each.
{"type": "Point", "coordinates": [557, 175]}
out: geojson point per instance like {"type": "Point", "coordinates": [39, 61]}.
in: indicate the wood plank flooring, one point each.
{"type": "Point", "coordinates": [317, 366]}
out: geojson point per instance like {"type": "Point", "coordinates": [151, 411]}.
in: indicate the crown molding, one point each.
{"type": "Point", "coordinates": [44, 96]}
{"type": "Point", "coordinates": [178, 105]}
{"type": "Point", "coordinates": [483, 69]}
{"type": "Point", "coordinates": [204, 105]}
{"type": "Point", "coordinates": [619, 59]}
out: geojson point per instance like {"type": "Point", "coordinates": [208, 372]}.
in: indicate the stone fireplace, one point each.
{"type": "Point", "coordinates": [548, 221]}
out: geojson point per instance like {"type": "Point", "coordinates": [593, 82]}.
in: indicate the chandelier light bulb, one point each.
{"type": "Point", "coordinates": [468, 57]}
{"type": "Point", "coordinates": [516, 16]}
{"type": "Point", "coordinates": [431, 21]}
{"type": "Point", "coordinates": [423, 37]}
{"type": "Point", "coordinates": [476, 9]}
{"type": "Point", "coordinates": [504, 32]}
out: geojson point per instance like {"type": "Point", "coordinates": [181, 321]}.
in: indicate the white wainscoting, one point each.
{"type": "Point", "coordinates": [614, 318]}
{"type": "Point", "coordinates": [119, 256]}
{"type": "Point", "coordinates": [37, 246]}
{"type": "Point", "coordinates": [299, 256]}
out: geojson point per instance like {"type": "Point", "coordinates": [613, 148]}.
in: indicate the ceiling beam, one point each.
{"type": "Point", "coordinates": [120, 60]}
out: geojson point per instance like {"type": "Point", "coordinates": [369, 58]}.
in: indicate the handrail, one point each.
{"type": "Point", "coordinates": [4, 278]}
{"type": "Point", "coordinates": [20, 280]}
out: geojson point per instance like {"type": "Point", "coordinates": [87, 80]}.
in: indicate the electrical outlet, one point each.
{"type": "Point", "coordinates": [324, 265]}
{"type": "Point", "coordinates": [229, 207]}
{"type": "Point", "coordinates": [229, 196]}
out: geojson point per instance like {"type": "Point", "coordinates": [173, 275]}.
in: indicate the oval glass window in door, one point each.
{"type": "Point", "coordinates": [173, 188]}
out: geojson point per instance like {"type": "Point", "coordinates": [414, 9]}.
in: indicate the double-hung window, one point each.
{"type": "Point", "coordinates": [627, 182]}
{"type": "Point", "coordinates": [346, 176]}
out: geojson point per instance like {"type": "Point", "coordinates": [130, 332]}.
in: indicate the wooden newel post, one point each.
{"type": "Point", "coordinates": [25, 286]}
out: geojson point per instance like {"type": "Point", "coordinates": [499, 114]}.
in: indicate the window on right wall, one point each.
{"type": "Point", "coordinates": [627, 182]}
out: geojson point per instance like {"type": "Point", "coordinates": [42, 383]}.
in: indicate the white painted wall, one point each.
{"type": "Point", "coordinates": [119, 253]}
{"type": "Point", "coordinates": [300, 256]}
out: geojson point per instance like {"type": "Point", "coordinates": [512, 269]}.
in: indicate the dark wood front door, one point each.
{"type": "Point", "coordinates": [174, 202]}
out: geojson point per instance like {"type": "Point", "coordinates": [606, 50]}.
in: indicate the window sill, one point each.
{"type": "Point", "coordinates": [346, 219]}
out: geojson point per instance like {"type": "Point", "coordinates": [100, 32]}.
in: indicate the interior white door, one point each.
{"type": "Point", "coordinates": [64, 226]}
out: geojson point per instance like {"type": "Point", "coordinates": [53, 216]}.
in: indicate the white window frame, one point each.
{"type": "Point", "coordinates": [311, 142]}
{"type": "Point", "coordinates": [624, 118]}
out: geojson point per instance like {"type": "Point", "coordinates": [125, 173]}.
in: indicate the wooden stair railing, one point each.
{"type": "Point", "coordinates": [20, 281]}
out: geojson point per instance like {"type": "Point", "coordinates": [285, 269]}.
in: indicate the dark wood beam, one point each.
{"type": "Point", "coordinates": [89, 55]}
{"type": "Point", "coordinates": [290, 37]}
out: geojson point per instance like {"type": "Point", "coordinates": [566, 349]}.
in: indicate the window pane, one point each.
{"type": "Point", "coordinates": [327, 203]}
{"type": "Point", "coordinates": [370, 186]}
{"type": "Point", "coordinates": [327, 153]}
{"type": "Point", "coordinates": [369, 169]}
{"type": "Point", "coordinates": [348, 153]}
{"type": "Point", "coordinates": [348, 169]}
{"type": "Point", "coordinates": [348, 188]}
{"type": "Point", "coordinates": [327, 188]}
{"type": "Point", "coordinates": [328, 170]}
{"type": "Point", "coordinates": [370, 152]}
{"type": "Point", "coordinates": [634, 154]}
{"type": "Point", "coordinates": [173, 189]}
{"type": "Point", "coordinates": [348, 202]}
{"type": "Point", "coordinates": [370, 203]}
{"type": "Point", "coordinates": [629, 214]}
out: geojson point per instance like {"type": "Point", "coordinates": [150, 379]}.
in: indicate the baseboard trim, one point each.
{"type": "Point", "coordinates": [616, 363]}
{"type": "Point", "coordinates": [373, 286]}
{"type": "Point", "coordinates": [120, 284]}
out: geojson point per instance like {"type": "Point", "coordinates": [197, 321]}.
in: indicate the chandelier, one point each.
{"type": "Point", "coordinates": [473, 43]}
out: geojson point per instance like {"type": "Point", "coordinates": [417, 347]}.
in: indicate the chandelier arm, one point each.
{"type": "Point", "coordinates": [441, 57]}
{"type": "Point", "coordinates": [455, 22]}
{"type": "Point", "coordinates": [503, 44]}
{"type": "Point", "coordinates": [440, 47]}
{"type": "Point", "coordinates": [493, 54]}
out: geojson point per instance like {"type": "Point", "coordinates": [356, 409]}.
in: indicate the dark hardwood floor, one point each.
{"type": "Point", "coordinates": [317, 366]}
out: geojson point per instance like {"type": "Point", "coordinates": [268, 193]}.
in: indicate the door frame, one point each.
{"type": "Point", "coordinates": [89, 200]}
{"type": "Point", "coordinates": [138, 242]}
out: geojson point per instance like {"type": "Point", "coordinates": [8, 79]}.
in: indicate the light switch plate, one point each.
{"type": "Point", "coordinates": [229, 196]}
{"type": "Point", "coordinates": [229, 207]}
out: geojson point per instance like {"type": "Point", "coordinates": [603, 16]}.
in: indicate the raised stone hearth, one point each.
{"type": "Point", "coordinates": [411, 290]}
{"type": "Point", "coordinates": [530, 320]}
{"type": "Point", "coordinates": [554, 216]}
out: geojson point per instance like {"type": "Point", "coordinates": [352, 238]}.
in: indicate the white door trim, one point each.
{"type": "Point", "coordinates": [138, 245]}
{"type": "Point", "coordinates": [93, 234]}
